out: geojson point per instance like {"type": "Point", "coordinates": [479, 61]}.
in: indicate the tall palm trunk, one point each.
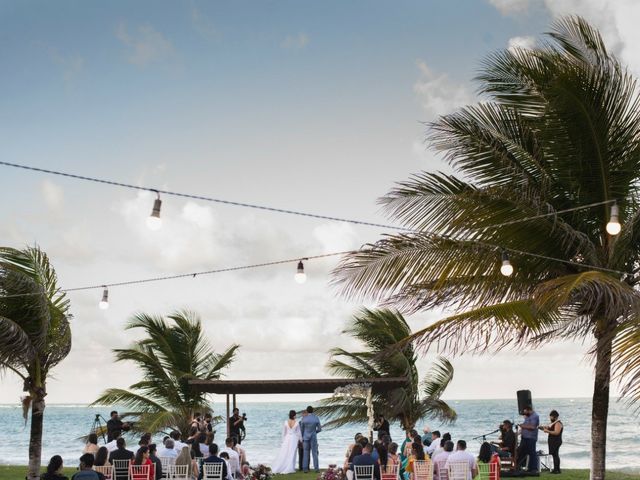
{"type": "Point", "coordinates": [35, 441]}
{"type": "Point", "coordinates": [600, 406]}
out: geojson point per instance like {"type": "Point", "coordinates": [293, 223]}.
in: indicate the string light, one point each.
{"type": "Point", "coordinates": [506, 268]}
{"type": "Point", "coordinates": [104, 303]}
{"type": "Point", "coordinates": [300, 277]}
{"type": "Point", "coordinates": [154, 222]}
{"type": "Point", "coordinates": [613, 226]}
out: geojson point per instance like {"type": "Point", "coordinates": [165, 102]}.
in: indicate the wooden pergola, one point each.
{"type": "Point", "coordinates": [231, 388]}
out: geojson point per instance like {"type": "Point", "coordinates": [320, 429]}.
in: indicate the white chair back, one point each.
{"type": "Point", "coordinates": [459, 471]}
{"type": "Point", "coordinates": [212, 471]}
{"type": "Point", "coordinates": [139, 472]}
{"type": "Point", "coordinates": [363, 472]}
{"type": "Point", "coordinates": [423, 470]}
{"type": "Point", "coordinates": [106, 471]}
{"type": "Point", "coordinates": [121, 470]}
{"type": "Point", "coordinates": [390, 472]}
{"type": "Point", "coordinates": [440, 471]}
{"type": "Point", "coordinates": [166, 462]}
{"type": "Point", "coordinates": [178, 472]}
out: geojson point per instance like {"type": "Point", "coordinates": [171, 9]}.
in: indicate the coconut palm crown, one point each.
{"type": "Point", "coordinates": [173, 351]}
{"type": "Point", "coordinates": [559, 130]}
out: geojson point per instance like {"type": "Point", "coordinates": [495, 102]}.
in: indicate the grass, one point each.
{"type": "Point", "coordinates": [19, 472]}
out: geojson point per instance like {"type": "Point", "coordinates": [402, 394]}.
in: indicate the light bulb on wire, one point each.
{"type": "Point", "coordinates": [613, 226]}
{"type": "Point", "coordinates": [506, 268]}
{"type": "Point", "coordinates": [300, 276]}
{"type": "Point", "coordinates": [154, 222]}
{"type": "Point", "coordinates": [104, 303]}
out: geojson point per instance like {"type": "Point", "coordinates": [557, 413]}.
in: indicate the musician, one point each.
{"type": "Point", "coordinates": [529, 432]}
{"type": "Point", "coordinates": [507, 444]}
{"type": "Point", "coordinates": [554, 430]}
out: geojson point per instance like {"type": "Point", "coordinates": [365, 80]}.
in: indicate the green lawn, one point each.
{"type": "Point", "coordinates": [18, 473]}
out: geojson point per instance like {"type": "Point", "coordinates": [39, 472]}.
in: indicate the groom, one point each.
{"type": "Point", "coordinates": [309, 428]}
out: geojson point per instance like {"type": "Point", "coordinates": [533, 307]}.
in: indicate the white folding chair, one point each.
{"type": "Point", "coordinates": [363, 472]}
{"type": "Point", "coordinates": [390, 472]}
{"type": "Point", "coordinates": [121, 469]}
{"type": "Point", "coordinates": [106, 471]}
{"type": "Point", "coordinates": [166, 463]}
{"type": "Point", "coordinates": [423, 470]}
{"type": "Point", "coordinates": [212, 471]}
{"type": "Point", "coordinates": [178, 472]}
{"type": "Point", "coordinates": [440, 471]}
{"type": "Point", "coordinates": [139, 472]}
{"type": "Point", "coordinates": [458, 470]}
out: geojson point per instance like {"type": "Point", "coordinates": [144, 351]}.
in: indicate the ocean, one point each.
{"type": "Point", "coordinates": [64, 424]}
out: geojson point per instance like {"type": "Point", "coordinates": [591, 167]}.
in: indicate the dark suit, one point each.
{"type": "Point", "coordinates": [214, 459]}
{"type": "Point", "coordinates": [121, 454]}
{"type": "Point", "coordinates": [367, 459]}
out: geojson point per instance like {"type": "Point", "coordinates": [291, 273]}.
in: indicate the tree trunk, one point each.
{"type": "Point", "coordinates": [35, 441]}
{"type": "Point", "coordinates": [600, 407]}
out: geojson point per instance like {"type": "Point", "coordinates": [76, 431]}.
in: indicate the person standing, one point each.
{"type": "Point", "coordinates": [309, 429]}
{"type": "Point", "coordinates": [529, 429]}
{"type": "Point", "coordinates": [114, 426]}
{"type": "Point", "coordinates": [554, 430]}
{"type": "Point", "coordinates": [381, 424]}
{"type": "Point", "coordinates": [285, 462]}
{"type": "Point", "coordinates": [236, 425]}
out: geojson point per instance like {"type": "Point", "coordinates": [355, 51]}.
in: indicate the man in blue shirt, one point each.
{"type": "Point", "coordinates": [529, 438]}
{"type": "Point", "coordinates": [367, 459]}
{"type": "Point", "coordinates": [213, 458]}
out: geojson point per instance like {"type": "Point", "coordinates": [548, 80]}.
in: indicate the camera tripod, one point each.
{"type": "Point", "coordinates": [98, 428]}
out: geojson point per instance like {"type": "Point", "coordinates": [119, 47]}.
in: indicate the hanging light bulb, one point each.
{"type": "Point", "coordinates": [104, 303]}
{"type": "Point", "coordinates": [613, 226]}
{"type": "Point", "coordinates": [506, 268]}
{"type": "Point", "coordinates": [300, 276]}
{"type": "Point", "coordinates": [154, 222]}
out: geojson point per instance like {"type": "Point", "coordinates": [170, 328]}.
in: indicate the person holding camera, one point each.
{"type": "Point", "coordinates": [236, 425]}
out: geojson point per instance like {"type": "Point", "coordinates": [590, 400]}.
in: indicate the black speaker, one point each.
{"type": "Point", "coordinates": [524, 400]}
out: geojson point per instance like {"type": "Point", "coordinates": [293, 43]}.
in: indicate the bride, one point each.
{"type": "Point", "coordinates": [285, 462]}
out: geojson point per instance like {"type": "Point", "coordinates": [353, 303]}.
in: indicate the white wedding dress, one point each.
{"type": "Point", "coordinates": [285, 462]}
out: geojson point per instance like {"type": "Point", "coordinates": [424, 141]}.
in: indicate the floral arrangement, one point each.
{"type": "Point", "coordinates": [332, 473]}
{"type": "Point", "coordinates": [261, 472]}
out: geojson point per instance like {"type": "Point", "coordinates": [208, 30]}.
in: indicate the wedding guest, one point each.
{"type": "Point", "coordinates": [142, 458]}
{"type": "Point", "coordinates": [355, 451]}
{"type": "Point", "coordinates": [381, 454]}
{"type": "Point", "coordinates": [554, 430]}
{"type": "Point", "coordinates": [156, 460]}
{"type": "Point", "coordinates": [177, 444]}
{"type": "Point", "coordinates": [392, 456]}
{"type": "Point", "coordinates": [435, 443]}
{"type": "Point", "coordinates": [121, 453]}
{"type": "Point", "coordinates": [102, 458]}
{"type": "Point", "coordinates": [487, 456]}
{"type": "Point", "coordinates": [225, 457]}
{"type": "Point", "coordinates": [213, 458]}
{"type": "Point", "coordinates": [426, 438]}
{"type": "Point", "coordinates": [461, 455]}
{"type": "Point", "coordinates": [185, 458]}
{"type": "Point", "coordinates": [241, 451]}
{"type": "Point", "coordinates": [145, 439]}
{"type": "Point", "coordinates": [440, 459]}
{"type": "Point", "coordinates": [202, 440]}
{"type": "Point", "coordinates": [85, 471]}
{"type": "Point", "coordinates": [417, 454]}
{"type": "Point", "coordinates": [195, 450]}
{"type": "Point", "coordinates": [234, 458]}
{"type": "Point", "coordinates": [169, 449]}
{"type": "Point", "coordinates": [54, 469]}
{"type": "Point", "coordinates": [365, 458]}
{"type": "Point", "coordinates": [113, 444]}
{"type": "Point", "coordinates": [91, 445]}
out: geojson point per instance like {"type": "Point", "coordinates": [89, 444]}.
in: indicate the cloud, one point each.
{"type": "Point", "coordinates": [527, 42]}
{"type": "Point", "coordinates": [295, 42]}
{"type": "Point", "coordinates": [439, 94]}
{"type": "Point", "coordinates": [510, 7]}
{"type": "Point", "coordinates": [146, 45]}
{"type": "Point", "coordinates": [53, 195]}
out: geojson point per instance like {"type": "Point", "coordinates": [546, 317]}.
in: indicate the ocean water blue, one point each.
{"type": "Point", "coordinates": [64, 424]}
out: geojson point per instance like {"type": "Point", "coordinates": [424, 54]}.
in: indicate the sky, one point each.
{"type": "Point", "coordinates": [310, 106]}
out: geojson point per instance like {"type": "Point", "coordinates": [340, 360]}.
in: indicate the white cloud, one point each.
{"type": "Point", "coordinates": [527, 42]}
{"type": "Point", "coordinates": [510, 7]}
{"type": "Point", "coordinates": [295, 42]}
{"type": "Point", "coordinates": [53, 195]}
{"type": "Point", "coordinates": [438, 93]}
{"type": "Point", "coordinates": [146, 45]}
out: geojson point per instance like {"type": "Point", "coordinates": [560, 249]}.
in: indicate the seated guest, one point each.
{"type": "Point", "coordinates": [185, 458]}
{"type": "Point", "coordinates": [441, 458]}
{"type": "Point", "coordinates": [157, 463]}
{"type": "Point", "coordinates": [145, 439]}
{"type": "Point", "coordinates": [113, 444]}
{"type": "Point", "coordinates": [225, 457]}
{"type": "Point", "coordinates": [382, 456]}
{"type": "Point", "coordinates": [213, 458]}
{"type": "Point", "coordinates": [365, 458]}
{"type": "Point", "coordinates": [202, 440]}
{"type": "Point", "coordinates": [487, 456]}
{"type": "Point", "coordinates": [461, 455]}
{"type": "Point", "coordinates": [142, 458]}
{"type": "Point", "coordinates": [405, 450]}
{"type": "Point", "coordinates": [177, 444]}
{"type": "Point", "coordinates": [54, 469]}
{"type": "Point", "coordinates": [417, 454]}
{"type": "Point", "coordinates": [92, 444]}
{"type": "Point", "coordinates": [234, 458]}
{"type": "Point", "coordinates": [241, 450]}
{"type": "Point", "coordinates": [102, 458]}
{"type": "Point", "coordinates": [355, 451]}
{"type": "Point", "coordinates": [426, 438]}
{"type": "Point", "coordinates": [392, 455]}
{"type": "Point", "coordinates": [435, 443]}
{"type": "Point", "coordinates": [169, 449]}
{"type": "Point", "coordinates": [121, 453]}
{"type": "Point", "coordinates": [85, 471]}
{"type": "Point", "coordinates": [356, 441]}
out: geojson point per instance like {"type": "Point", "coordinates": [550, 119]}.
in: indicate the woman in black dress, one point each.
{"type": "Point", "coordinates": [554, 430]}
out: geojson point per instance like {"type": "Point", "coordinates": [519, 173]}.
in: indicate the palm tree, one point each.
{"type": "Point", "coordinates": [379, 330]}
{"type": "Point", "coordinates": [556, 142]}
{"type": "Point", "coordinates": [173, 352]}
{"type": "Point", "coordinates": [34, 332]}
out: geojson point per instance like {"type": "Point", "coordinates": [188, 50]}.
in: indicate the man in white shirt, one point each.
{"type": "Point", "coordinates": [168, 450]}
{"type": "Point", "coordinates": [234, 458]}
{"type": "Point", "coordinates": [435, 443]}
{"type": "Point", "coordinates": [440, 459]}
{"type": "Point", "coordinates": [461, 456]}
{"type": "Point", "coordinates": [111, 446]}
{"type": "Point", "coordinates": [177, 444]}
